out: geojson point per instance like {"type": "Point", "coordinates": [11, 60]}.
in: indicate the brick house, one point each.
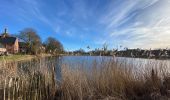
{"type": "Point", "coordinates": [10, 43]}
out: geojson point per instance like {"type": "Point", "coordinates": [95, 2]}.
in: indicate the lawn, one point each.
{"type": "Point", "coordinates": [16, 57]}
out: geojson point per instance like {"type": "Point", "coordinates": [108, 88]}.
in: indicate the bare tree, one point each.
{"type": "Point", "coordinates": [53, 46]}
{"type": "Point", "coordinates": [31, 39]}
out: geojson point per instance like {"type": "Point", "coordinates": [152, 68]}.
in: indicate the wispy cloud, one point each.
{"type": "Point", "coordinates": [131, 23]}
{"type": "Point", "coordinates": [140, 24]}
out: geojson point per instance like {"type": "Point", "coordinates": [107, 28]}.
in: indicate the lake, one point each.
{"type": "Point", "coordinates": [87, 62]}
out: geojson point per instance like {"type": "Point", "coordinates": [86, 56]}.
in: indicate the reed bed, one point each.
{"type": "Point", "coordinates": [32, 80]}
{"type": "Point", "coordinates": [115, 80]}
{"type": "Point", "coordinates": [107, 79]}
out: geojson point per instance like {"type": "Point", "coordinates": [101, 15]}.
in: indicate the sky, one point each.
{"type": "Point", "coordinates": [80, 23]}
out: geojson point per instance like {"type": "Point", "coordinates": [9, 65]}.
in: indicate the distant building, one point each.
{"type": "Point", "coordinates": [9, 43]}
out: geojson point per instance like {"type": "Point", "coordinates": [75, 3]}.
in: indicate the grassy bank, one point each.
{"type": "Point", "coordinates": [16, 57]}
{"type": "Point", "coordinates": [20, 57]}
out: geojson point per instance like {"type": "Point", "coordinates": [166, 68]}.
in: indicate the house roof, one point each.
{"type": "Point", "coordinates": [7, 40]}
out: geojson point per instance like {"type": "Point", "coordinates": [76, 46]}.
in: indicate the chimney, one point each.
{"type": "Point", "coordinates": [5, 34]}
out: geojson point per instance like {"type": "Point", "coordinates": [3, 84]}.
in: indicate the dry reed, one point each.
{"type": "Point", "coordinates": [104, 80]}
{"type": "Point", "coordinates": [32, 80]}
{"type": "Point", "coordinates": [114, 80]}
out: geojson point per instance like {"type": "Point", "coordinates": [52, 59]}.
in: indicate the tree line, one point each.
{"type": "Point", "coordinates": [135, 53]}
{"type": "Point", "coordinates": [33, 44]}
{"type": "Point", "coordinates": [140, 53]}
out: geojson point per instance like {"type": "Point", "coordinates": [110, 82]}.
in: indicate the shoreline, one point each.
{"type": "Point", "coordinates": [25, 57]}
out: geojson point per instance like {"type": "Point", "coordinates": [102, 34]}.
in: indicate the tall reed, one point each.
{"type": "Point", "coordinates": [114, 80]}
{"type": "Point", "coordinates": [107, 79]}
{"type": "Point", "coordinates": [32, 80]}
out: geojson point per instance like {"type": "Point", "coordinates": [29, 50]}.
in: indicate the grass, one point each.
{"type": "Point", "coordinates": [18, 57]}
{"type": "Point", "coordinates": [107, 80]}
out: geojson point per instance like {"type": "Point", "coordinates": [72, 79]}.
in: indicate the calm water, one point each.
{"type": "Point", "coordinates": [89, 60]}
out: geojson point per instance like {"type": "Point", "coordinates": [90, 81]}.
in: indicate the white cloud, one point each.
{"type": "Point", "coordinates": [150, 28]}
{"type": "Point", "coordinates": [119, 13]}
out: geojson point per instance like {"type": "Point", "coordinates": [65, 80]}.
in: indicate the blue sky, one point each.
{"type": "Point", "coordinates": [79, 23]}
